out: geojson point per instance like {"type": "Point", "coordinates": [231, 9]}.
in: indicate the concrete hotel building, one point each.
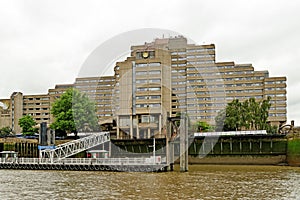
{"type": "Point", "coordinates": [158, 80]}
{"type": "Point", "coordinates": [99, 90]}
{"type": "Point", "coordinates": [169, 76]}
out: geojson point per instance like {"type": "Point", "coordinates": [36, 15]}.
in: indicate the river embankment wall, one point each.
{"type": "Point", "coordinates": [240, 149]}
{"type": "Point", "coordinates": [293, 149]}
{"type": "Point", "coordinates": [243, 150]}
{"type": "Point", "coordinates": [247, 150]}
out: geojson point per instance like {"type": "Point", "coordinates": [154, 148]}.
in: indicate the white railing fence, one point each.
{"type": "Point", "coordinates": [87, 161]}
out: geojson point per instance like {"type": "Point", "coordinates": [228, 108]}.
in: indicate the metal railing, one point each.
{"type": "Point", "coordinates": [71, 148]}
{"type": "Point", "coordinates": [231, 133]}
{"type": "Point", "coordinates": [87, 161]}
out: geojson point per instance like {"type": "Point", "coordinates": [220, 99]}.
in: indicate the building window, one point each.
{"type": "Point", "coordinates": [154, 89]}
{"type": "Point", "coordinates": [149, 119]}
{"type": "Point", "coordinates": [154, 72]}
{"type": "Point", "coordinates": [154, 97]}
{"type": "Point", "coordinates": [141, 105]}
{"type": "Point", "coordinates": [141, 89]}
{"type": "Point", "coordinates": [154, 105]}
{"type": "Point", "coordinates": [154, 64]}
{"type": "Point", "coordinates": [141, 81]}
{"type": "Point", "coordinates": [141, 97]}
{"type": "Point", "coordinates": [145, 119]}
{"type": "Point", "coordinates": [154, 81]}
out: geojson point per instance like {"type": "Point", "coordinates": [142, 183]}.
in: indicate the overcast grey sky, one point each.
{"type": "Point", "coordinates": [43, 43]}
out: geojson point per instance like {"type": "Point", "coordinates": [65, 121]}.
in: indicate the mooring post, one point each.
{"type": "Point", "coordinates": [171, 156]}
{"type": "Point", "coordinates": [168, 136]}
{"type": "Point", "coordinates": [170, 142]}
{"type": "Point", "coordinates": [183, 143]}
{"type": "Point", "coordinates": [186, 144]}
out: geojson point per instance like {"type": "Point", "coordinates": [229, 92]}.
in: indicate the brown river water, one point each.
{"type": "Point", "coordinates": [200, 182]}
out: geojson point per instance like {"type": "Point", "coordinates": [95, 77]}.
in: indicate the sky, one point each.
{"type": "Point", "coordinates": [44, 43]}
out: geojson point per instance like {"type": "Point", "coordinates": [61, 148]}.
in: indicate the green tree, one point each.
{"type": "Point", "coordinates": [272, 129]}
{"type": "Point", "coordinates": [5, 131]}
{"type": "Point", "coordinates": [27, 124]}
{"type": "Point", "coordinates": [264, 113]}
{"type": "Point", "coordinates": [252, 111]}
{"type": "Point", "coordinates": [203, 126]}
{"type": "Point", "coordinates": [233, 118]}
{"type": "Point", "coordinates": [74, 112]}
{"type": "Point", "coordinates": [248, 115]}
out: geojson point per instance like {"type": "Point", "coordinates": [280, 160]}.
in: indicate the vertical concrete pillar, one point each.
{"type": "Point", "coordinates": [137, 127]}
{"type": "Point", "coordinates": [172, 160]}
{"type": "Point", "coordinates": [109, 149]}
{"type": "Point", "coordinates": [260, 146]}
{"type": "Point", "coordinates": [23, 149]}
{"type": "Point", "coordinates": [168, 137]}
{"type": "Point", "coordinates": [241, 148]}
{"type": "Point", "coordinates": [231, 145]}
{"type": "Point", "coordinates": [131, 127]}
{"type": "Point", "coordinates": [221, 144]}
{"type": "Point", "coordinates": [271, 146]}
{"type": "Point", "coordinates": [149, 133]}
{"type": "Point", "coordinates": [183, 143]}
{"type": "Point", "coordinates": [186, 144]}
{"type": "Point", "coordinates": [26, 149]}
{"type": "Point", "coordinates": [118, 127]}
{"type": "Point", "coordinates": [159, 124]}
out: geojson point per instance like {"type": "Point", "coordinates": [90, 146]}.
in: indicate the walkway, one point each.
{"type": "Point", "coordinates": [99, 164]}
{"type": "Point", "coordinates": [73, 147]}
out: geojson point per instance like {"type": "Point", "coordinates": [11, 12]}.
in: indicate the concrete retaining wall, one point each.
{"type": "Point", "coordinates": [240, 160]}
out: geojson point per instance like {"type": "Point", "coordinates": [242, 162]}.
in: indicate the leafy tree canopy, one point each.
{"type": "Point", "coordinates": [247, 115]}
{"type": "Point", "coordinates": [27, 124]}
{"type": "Point", "coordinates": [203, 127]}
{"type": "Point", "coordinates": [5, 131]}
{"type": "Point", "coordinates": [74, 112]}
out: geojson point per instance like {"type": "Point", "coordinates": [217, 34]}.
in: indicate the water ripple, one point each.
{"type": "Point", "coordinates": [201, 182]}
